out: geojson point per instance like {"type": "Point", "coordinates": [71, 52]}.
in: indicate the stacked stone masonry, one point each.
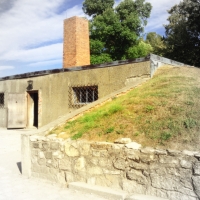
{"type": "Point", "coordinates": [163, 173]}
{"type": "Point", "coordinates": [76, 50]}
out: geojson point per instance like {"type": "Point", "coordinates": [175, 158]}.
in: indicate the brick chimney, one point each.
{"type": "Point", "coordinates": [76, 49]}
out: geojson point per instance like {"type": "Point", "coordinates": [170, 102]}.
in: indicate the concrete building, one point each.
{"type": "Point", "coordinates": [38, 98]}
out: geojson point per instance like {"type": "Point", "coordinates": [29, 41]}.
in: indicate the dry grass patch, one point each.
{"type": "Point", "coordinates": [163, 111]}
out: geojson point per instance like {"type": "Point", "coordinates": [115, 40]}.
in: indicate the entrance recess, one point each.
{"type": "Point", "coordinates": [32, 109]}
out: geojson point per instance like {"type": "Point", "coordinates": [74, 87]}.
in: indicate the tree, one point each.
{"type": "Point", "coordinates": [97, 54]}
{"type": "Point", "coordinates": [96, 7]}
{"type": "Point", "coordinates": [157, 43]}
{"type": "Point", "coordinates": [116, 29]}
{"type": "Point", "coordinates": [183, 32]}
{"type": "Point", "coordinates": [140, 50]}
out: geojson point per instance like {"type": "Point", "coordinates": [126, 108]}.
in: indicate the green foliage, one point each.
{"type": "Point", "coordinates": [114, 108]}
{"type": "Point", "coordinates": [70, 124]}
{"type": "Point", "coordinates": [90, 121]}
{"type": "Point", "coordinates": [140, 50]}
{"type": "Point", "coordinates": [149, 108]}
{"type": "Point", "coordinates": [189, 123]}
{"type": "Point", "coordinates": [129, 10]}
{"type": "Point", "coordinates": [120, 132]}
{"type": "Point", "coordinates": [100, 59]}
{"type": "Point", "coordinates": [174, 110]}
{"type": "Point", "coordinates": [189, 103]}
{"type": "Point", "coordinates": [115, 31]}
{"type": "Point", "coordinates": [164, 136]}
{"type": "Point", "coordinates": [183, 31]}
{"type": "Point", "coordinates": [96, 7]}
{"type": "Point", "coordinates": [110, 130]}
{"type": "Point", "coordinates": [101, 113]}
{"type": "Point", "coordinates": [97, 54]}
{"type": "Point", "coordinates": [77, 136]}
{"type": "Point", "coordinates": [156, 42]}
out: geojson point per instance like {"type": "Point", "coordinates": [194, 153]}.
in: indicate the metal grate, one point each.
{"type": "Point", "coordinates": [82, 95]}
{"type": "Point", "coordinates": [1, 100]}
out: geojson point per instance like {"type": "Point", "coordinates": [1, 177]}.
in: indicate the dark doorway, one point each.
{"type": "Point", "coordinates": [32, 109]}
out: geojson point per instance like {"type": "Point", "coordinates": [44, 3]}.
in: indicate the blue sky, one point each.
{"type": "Point", "coordinates": [31, 31]}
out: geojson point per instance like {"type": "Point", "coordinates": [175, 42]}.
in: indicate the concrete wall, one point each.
{"type": "Point", "coordinates": [158, 61]}
{"type": "Point", "coordinates": [3, 117]}
{"type": "Point", "coordinates": [163, 173]}
{"type": "Point", "coordinates": [53, 89]}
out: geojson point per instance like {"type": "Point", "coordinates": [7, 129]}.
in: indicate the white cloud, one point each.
{"type": "Point", "coordinates": [32, 24]}
{"type": "Point", "coordinates": [6, 67]}
{"type": "Point", "coordinates": [159, 13]}
{"type": "Point", "coordinates": [44, 53]}
{"type": "Point", "coordinates": [45, 63]}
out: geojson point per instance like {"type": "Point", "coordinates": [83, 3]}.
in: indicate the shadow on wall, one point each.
{"type": "Point", "coordinates": [19, 165]}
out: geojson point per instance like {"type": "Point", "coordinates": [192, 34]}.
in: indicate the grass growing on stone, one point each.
{"type": "Point", "coordinates": [163, 111]}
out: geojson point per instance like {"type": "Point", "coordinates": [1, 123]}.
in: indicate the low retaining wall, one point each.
{"type": "Point", "coordinates": [163, 173]}
{"type": "Point", "coordinates": [158, 61]}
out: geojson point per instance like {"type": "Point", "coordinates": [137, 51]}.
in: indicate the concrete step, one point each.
{"type": "Point", "coordinates": [143, 197]}
{"type": "Point", "coordinates": [109, 193]}
{"type": "Point", "coordinates": [104, 192]}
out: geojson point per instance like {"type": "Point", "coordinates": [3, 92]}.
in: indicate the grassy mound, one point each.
{"type": "Point", "coordinates": [163, 111]}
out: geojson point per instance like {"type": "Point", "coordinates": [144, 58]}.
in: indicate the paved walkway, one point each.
{"type": "Point", "coordinates": [15, 186]}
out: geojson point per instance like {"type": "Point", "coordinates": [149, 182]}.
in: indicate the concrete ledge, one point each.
{"type": "Point", "coordinates": [144, 197]}
{"type": "Point", "coordinates": [109, 193]}
{"type": "Point", "coordinates": [25, 155]}
{"type": "Point", "coordinates": [99, 190]}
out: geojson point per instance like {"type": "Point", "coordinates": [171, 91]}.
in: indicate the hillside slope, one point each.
{"type": "Point", "coordinates": [165, 111]}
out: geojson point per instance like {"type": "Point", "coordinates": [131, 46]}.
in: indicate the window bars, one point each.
{"type": "Point", "coordinates": [82, 95]}
{"type": "Point", "coordinates": [1, 100]}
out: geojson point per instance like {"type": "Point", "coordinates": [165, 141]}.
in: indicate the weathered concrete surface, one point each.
{"type": "Point", "coordinates": [143, 197]}
{"type": "Point", "coordinates": [25, 154]}
{"type": "Point", "coordinates": [3, 114]}
{"type": "Point", "coordinates": [54, 89]}
{"type": "Point", "coordinates": [101, 191]}
{"type": "Point", "coordinates": [15, 186]}
{"type": "Point", "coordinates": [110, 193]}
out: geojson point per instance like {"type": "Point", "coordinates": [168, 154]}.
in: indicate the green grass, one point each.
{"type": "Point", "coordinates": [77, 136]}
{"type": "Point", "coordinates": [164, 109]}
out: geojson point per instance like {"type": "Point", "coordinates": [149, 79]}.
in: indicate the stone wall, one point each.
{"type": "Point", "coordinates": [127, 166]}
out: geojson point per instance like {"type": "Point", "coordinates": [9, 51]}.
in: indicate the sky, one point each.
{"type": "Point", "coordinates": [31, 31]}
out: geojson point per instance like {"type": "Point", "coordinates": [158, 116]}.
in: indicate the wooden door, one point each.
{"type": "Point", "coordinates": [16, 110]}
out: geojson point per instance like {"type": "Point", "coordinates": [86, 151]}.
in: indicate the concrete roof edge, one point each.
{"type": "Point", "coordinates": [80, 68]}
{"type": "Point", "coordinates": [166, 60]}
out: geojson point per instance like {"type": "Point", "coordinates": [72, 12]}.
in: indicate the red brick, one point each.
{"type": "Point", "coordinates": [76, 49]}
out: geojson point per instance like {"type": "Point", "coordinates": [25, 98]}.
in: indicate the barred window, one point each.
{"type": "Point", "coordinates": [1, 100]}
{"type": "Point", "coordinates": [83, 95]}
